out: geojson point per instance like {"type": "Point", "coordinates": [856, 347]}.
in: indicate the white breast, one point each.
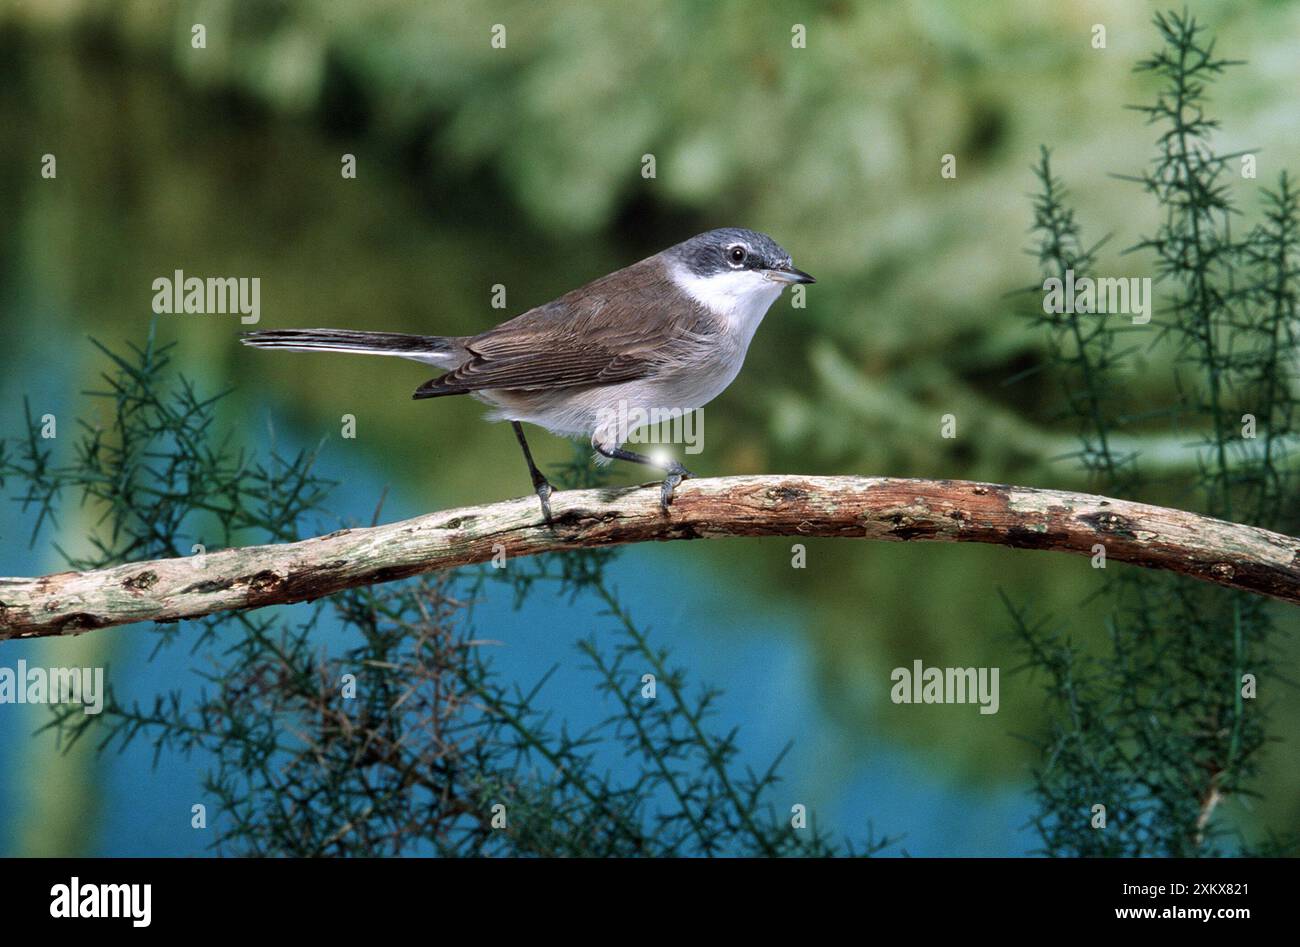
{"type": "Point", "coordinates": [740, 298]}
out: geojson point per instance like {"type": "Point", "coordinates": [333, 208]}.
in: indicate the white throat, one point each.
{"type": "Point", "coordinates": [740, 298]}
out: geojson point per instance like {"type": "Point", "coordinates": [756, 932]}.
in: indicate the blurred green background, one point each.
{"type": "Point", "coordinates": [522, 166]}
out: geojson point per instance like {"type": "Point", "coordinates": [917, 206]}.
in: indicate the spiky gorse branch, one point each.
{"type": "Point", "coordinates": [435, 753]}
{"type": "Point", "coordinates": [438, 755]}
{"type": "Point", "coordinates": [152, 472]}
{"type": "Point", "coordinates": [1156, 727]}
{"type": "Point", "coordinates": [1082, 346]}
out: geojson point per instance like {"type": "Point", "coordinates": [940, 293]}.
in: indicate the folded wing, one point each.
{"type": "Point", "coordinates": [616, 329]}
{"type": "Point", "coordinates": [554, 368]}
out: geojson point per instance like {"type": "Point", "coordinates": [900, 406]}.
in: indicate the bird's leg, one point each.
{"type": "Point", "coordinates": [676, 472]}
{"type": "Point", "coordinates": [540, 484]}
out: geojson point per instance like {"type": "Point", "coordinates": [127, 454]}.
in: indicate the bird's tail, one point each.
{"type": "Point", "coordinates": [443, 351]}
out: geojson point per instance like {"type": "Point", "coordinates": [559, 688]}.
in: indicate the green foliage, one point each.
{"type": "Point", "coordinates": [434, 740]}
{"type": "Point", "coordinates": [155, 475]}
{"type": "Point", "coordinates": [1156, 728]}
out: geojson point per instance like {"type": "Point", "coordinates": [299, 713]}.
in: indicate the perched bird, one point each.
{"type": "Point", "coordinates": [666, 334]}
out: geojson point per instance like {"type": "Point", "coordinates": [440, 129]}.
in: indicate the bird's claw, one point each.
{"type": "Point", "coordinates": [676, 474]}
{"type": "Point", "coordinates": [544, 491]}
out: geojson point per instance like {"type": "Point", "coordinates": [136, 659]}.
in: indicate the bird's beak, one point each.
{"type": "Point", "coordinates": [788, 274]}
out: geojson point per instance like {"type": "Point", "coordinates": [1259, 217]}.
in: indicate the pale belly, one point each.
{"type": "Point", "coordinates": [610, 414]}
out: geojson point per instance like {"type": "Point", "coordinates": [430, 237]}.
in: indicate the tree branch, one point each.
{"type": "Point", "coordinates": [1240, 557]}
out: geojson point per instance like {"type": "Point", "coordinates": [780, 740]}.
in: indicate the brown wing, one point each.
{"type": "Point", "coordinates": [551, 369]}
{"type": "Point", "coordinates": [615, 329]}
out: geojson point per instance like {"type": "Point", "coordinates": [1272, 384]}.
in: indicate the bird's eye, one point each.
{"type": "Point", "coordinates": [737, 255]}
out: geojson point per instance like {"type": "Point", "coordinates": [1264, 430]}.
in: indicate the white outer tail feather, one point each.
{"type": "Point", "coordinates": [428, 350]}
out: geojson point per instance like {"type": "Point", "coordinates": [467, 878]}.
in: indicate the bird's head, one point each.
{"type": "Point", "coordinates": [733, 268]}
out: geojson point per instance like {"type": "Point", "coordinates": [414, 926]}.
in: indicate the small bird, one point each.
{"type": "Point", "coordinates": [666, 334]}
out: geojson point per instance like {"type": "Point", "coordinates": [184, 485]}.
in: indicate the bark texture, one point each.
{"type": "Point", "coordinates": [1228, 554]}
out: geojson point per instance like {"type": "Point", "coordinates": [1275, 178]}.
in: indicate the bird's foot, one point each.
{"type": "Point", "coordinates": [676, 474]}
{"type": "Point", "coordinates": [544, 490]}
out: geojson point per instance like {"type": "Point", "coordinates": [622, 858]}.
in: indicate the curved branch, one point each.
{"type": "Point", "coordinates": [1240, 557]}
